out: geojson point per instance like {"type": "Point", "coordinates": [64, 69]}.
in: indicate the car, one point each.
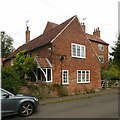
{"type": "Point", "coordinates": [23, 105]}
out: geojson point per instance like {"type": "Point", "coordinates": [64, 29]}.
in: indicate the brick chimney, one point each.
{"type": "Point", "coordinates": [96, 32]}
{"type": "Point", "coordinates": [83, 26]}
{"type": "Point", "coordinates": [27, 35]}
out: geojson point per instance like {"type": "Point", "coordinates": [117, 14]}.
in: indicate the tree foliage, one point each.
{"type": "Point", "coordinates": [11, 80]}
{"type": "Point", "coordinates": [24, 64]}
{"type": "Point", "coordinates": [6, 44]}
{"type": "Point", "coordinates": [116, 52]}
{"type": "Point", "coordinates": [113, 73]}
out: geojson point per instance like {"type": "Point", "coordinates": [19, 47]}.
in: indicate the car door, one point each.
{"type": "Point", "coordinates": [8, 104]}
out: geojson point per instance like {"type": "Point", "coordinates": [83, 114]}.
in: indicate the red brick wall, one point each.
{"type": "Point", "coordinates": [62, 46]}
{"type": "Point", "coordinates": [42, 52]}
{"type": "Point", "coordinates": [101, 53]}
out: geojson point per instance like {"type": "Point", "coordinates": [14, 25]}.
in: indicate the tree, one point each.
{"type": "Point", "coordinates": [6, 44]}
{"type": "Point", "coordinates": [24, 64]}
{"type": "Point", "coordinates": [11, 80]}
{"type": "Point", "coordinates": [116, 52]}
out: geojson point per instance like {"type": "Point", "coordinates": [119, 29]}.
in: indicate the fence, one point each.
{"type": "Point", "coordinates": [109, 83]}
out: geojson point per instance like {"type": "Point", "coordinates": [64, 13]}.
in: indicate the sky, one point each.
{"type": "Point", "coordinates": [97, 13]}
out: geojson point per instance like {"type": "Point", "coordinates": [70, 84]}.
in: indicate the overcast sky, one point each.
{"type": "Point", "coordinates": [98, 13]}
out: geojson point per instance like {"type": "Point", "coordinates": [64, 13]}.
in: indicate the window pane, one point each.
{"type": "Point", "coordinates": [44, 70]}
{"type": "Point", "coordinates": [87, 76]}
{"type": "Point", "coordinates": [48, 74]}
{"type": "Point", "coordinates": [101, 58]}
{"type": "Point", "coordinates": [78, 50]}
{"type": "Point", "coordinates": [43, 76]}
{"type": "Point", "coordinates": [74, 50]}
{"type": "Point", "coordinates": [101, 47]}
{"type": "Point", "coordinates": [65, 76]}
{"type": "Point", "coordinates": [79, 76]}
{"type": "Point", "coordinates": [82, 51]}
{"type": "Point", "coordinates": [83, 76]}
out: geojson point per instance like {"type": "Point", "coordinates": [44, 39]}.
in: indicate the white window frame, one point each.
{"type": "Point", "coordinates": [101, 60]}
{"type": "Point", "coordinates": [79, 51]}
{"type": "Point", "coordinates": [67, 75]}
{"type": "Point", "coordinates": [101, 47]}
{"type": "Point", "coordinates": [81, 72]}
{"type": "Point", "coordinates": [46, 74]}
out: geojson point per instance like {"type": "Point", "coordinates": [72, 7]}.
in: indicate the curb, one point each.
{"type": "Point", "coordinates": [78, 97]}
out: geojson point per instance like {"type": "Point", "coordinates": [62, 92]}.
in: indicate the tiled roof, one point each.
{"type": "Point", "coordinates": [43, 63]}
{"type": "Point", "coordinates": [49, 26]}
{"type": "Point", "coordinates": [95, 39]}
{"type": "Point", "coordinates": [43, 39]}
{"type": "Point", "coordinates": [50, 33]}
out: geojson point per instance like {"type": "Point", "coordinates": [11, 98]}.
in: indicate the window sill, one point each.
{"type": "Point", "coordinates": [79, 57]}
{"type": "Point", "coordinates": [48, 81]}
{"type": "Point", "coordinates": [83, 82]}
{"type": "Point", "coordinates": [65, 83]}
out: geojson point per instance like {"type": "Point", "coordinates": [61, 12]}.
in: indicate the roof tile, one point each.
{"type": "Point", "coordinates": [43, 62]}
{"type": "Point", "coordinates": [95, 39]}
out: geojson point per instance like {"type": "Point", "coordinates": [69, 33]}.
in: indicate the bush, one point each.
{"type": "Point", "coordinates": [89, 90]}
{"type": "Point", "coordinates": [110, 74]}
{"type": "Point", "coordinates": [113, 75]}
{"type": "Point", "coordinates": [62, 91]}
{"type": "Point", "coordinates": [11, 80]}
{"type": "Point", "coordinates": [105, 75]}
{"type": "Point", "coordinates": [39, 90]}
{"type": "Point", "coordinates": [111, 83]}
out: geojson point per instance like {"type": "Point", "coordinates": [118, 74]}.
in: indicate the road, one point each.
{"type": "Point", "coordinates": [105, 106]}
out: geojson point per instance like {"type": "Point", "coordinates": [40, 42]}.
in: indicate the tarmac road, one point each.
{"type": "Point", "coordinates": [103, 106]}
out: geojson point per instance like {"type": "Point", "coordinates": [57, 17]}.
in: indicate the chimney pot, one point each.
{"type": "Point", "coordinates": [83, 26]}
{"type": "Point", "coordinates": [96, 32]}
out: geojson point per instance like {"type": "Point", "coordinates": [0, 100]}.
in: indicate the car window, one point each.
{"type": "Point", "coordinates": [3, 93]}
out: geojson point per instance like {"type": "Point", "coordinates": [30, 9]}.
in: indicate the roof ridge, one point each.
{"type": "Point", "coordinates": [72, 18]}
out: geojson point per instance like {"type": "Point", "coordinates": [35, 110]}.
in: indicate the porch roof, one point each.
{"type": "Point", "coordinates": [43, 62]}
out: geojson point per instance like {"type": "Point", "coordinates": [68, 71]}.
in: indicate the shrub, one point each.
{"type": "Point", "coordinates": [39, 90]}
{"type": "Point", "coordinates": [105, 75]}
{"type": "Point", "coordinates": [62, 91]}
{"type": "Point", "coordinates": [89, 90]}
{"type": "Point", "coordinates": [11, 80]}
{"type": "Point", "coordinates": [112, 74]}
{"type": "Point", "coordinates": [111, 83]}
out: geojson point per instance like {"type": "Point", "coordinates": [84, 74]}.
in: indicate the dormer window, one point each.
{"type": "Point", "coordinates": [78, 51]}
{"type": "Point", "coordinates": [101, 47]}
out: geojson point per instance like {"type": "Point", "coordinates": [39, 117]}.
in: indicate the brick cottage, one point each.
{"type": "Point", "coordinates": [67, 55]}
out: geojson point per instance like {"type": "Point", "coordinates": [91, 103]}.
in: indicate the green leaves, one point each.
{"type": "Point", "coordinates": [6, 44]}
{"type": "Point", "coordinates": [116, 52]}
{"type": "Point", "coordinates": [24, 64]}
{"type": "Point", "coordinates": [10, 80]}
{"type": "Point", "coordinates": [112, 74]}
